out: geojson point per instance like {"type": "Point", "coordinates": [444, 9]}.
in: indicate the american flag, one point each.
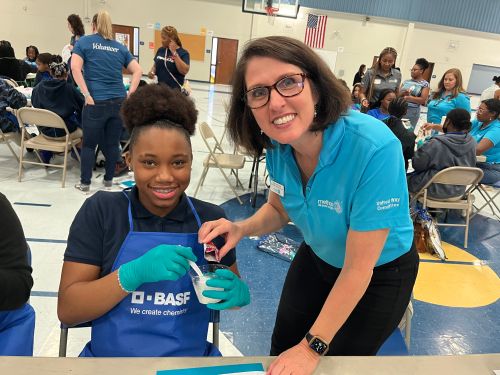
{"type": "Point", "coordinates": [315, 31]}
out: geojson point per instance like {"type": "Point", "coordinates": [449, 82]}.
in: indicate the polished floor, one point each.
{"type": "Point", "coordinates": [456, 302]}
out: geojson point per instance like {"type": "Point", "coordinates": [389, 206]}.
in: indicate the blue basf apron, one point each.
{"type": "Point", "coordinates": [17, 330]}
{"type": "Point", "coordinates": [161, 319]}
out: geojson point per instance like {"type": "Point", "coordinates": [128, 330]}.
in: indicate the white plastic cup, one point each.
{"type": "Point", "coordinates": [200, 282]}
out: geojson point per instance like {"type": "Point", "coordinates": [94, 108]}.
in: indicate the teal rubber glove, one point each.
{"type": "Point", "coordinates": [163, 262]}
{"type": "Point", "coordinates": [235, 293]}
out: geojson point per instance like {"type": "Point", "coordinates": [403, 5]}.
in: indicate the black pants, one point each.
{"type": "Point", "coordinates": [375, 317]}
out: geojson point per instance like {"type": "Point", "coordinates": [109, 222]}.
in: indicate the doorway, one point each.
{"type": "Point", "coordinates": [223, 60]}
{"type": "Point", "coordinates": [428, 72]}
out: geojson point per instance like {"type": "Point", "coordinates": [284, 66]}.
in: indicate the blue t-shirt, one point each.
{"type": "Point", "coordinates": [103, 61]}
{"type": "Point", "coordinates": [377, 113]}
{"type": "Point", "coordinates": [359, 184]}
{"type": "Point", "coordinates": [414, 88]}
{"type": "Point", "coordinates": [161, 71]}
{"type": "Point", "coordinates": [437, 108]}
{"type": "Point", "coordinates": [491, 132]}
{"type": "Point", "coordinates": [101, 225]}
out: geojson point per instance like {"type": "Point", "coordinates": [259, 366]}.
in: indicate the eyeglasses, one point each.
{"type": "Point", "coordinates": [481, 110]}
{"type": "Point", "coordinates": [415, 70]}
{"type": "Point", "coordinates": [287, 87]}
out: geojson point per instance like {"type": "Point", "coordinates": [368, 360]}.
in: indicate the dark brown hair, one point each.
{"type": "Point", "coordinates": [385, 51]}
{"type": "Point", "coordinates": [158, 106]}
{"type": "Point", "coordinates": [76, 24]}
{"type": "Point", "coordinates": [333, 98]}
{"type": "Point", "coordinates": [45, 58]}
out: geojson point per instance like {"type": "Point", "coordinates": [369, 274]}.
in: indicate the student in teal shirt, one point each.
{"type": "Point", "coordinates": [486, 132]}
{"type": "Point", "coordinates": [450, 95]}
{"type": "Point", "coordinates": [339, 176]}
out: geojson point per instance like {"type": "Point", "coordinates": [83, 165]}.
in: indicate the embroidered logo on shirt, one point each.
{"type": "Point", "coordinates": [334, 206]}
{"type": "Point", "coordinates": [388, 204]}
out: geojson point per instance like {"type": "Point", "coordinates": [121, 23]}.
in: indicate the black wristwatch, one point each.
{"type": "Point", "coordinates": [317, 344]}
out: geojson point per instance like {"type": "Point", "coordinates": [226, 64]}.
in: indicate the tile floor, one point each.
{"type": "Point", "coordinates": [46, 212]}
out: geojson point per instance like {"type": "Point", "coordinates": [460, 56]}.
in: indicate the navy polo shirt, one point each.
{"type": "Point", "coordinates": [101, 225]}
{"type": "Point", "coordinates": [103, 60]}
{"type": "Point", "coordinates": [161, 71]}
{"type": "Point", "coordinates": [359, 184]}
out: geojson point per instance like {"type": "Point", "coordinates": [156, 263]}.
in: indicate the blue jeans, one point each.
{"type": "Point", "coordinates": [491, 173]}
{"type": "Point", "coordinates": [413, 114]}
{"type": "Point", "coordinates": [102, 126]}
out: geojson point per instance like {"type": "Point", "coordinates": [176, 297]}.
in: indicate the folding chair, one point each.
{"type": "Point", "coordinates": [462, 176]}
{"type": "Point", "coordinates": [217, 158]}
{"type": "Point", "coordinates": [63, 336]}
{"type": "Point", "coordinates": [6, 138]}
{"type": "Point", "coordinates": [490, 199]}
{"type": "Point", "coordinates": [43, 117]}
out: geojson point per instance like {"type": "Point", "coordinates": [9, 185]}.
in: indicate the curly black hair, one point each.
{"type": "Point", "coordinates": [398, 107]}
{"type": "Point", "coordinates": [422, 63]}
{"type": "Point", "coordinates": [158, 106]}
{"type": "Point", "coordinates": [76, 24]}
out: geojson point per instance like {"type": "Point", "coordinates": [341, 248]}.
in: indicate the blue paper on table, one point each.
{"type": "Point", "coordinates": [127, 183]}
{"type": "Point", "coordinates": [279, 246]}
{"type": "Point", "coordinates": [214, 370]}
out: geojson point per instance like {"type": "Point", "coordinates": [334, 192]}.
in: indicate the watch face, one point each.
{"type": "Point", "coordinates": [318, 346]}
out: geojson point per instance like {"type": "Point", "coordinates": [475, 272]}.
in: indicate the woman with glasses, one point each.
{"type": "Point", "coordinates": [486, 132]}
{"type": "Point", "coordinates": [381, 76]}
{"type": "Point", "coordinates": [415, 90]}
{"type": "Point", "coordinates": [171, 62]}
{"type": "Point", "coordinates": [351, 280]}
{"type": "Point", "coordinates": [450, 95]}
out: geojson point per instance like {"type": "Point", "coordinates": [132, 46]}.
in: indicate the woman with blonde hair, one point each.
{"type": "Point", "coordinates": [101, 58]}
{"type": "Point", "coordinates": [450, 95]}
{"type": "Point", "coordinates": [171, 62]}
{"type": "Point", "coordinates": [381, 76]}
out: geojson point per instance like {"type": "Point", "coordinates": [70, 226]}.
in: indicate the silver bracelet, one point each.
{"type": "Point", "coordinates": [120, 283]}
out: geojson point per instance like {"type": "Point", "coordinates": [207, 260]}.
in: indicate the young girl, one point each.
{"type": "Point", "coordinates": [127, 254]}
{"type": "Point", "coordinates": [30, 59]}
{"type": "Point", "coordinates": [59, 96]}
{"type": "Point", "coordinates": [381, 108]}
{"type": "Point", "coordinates": [355, 97]}
{"type": "Point", "coordinates": [42, 62]}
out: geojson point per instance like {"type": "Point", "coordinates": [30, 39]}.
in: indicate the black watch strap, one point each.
{"type": "Point", "coordinates": [317, 344]}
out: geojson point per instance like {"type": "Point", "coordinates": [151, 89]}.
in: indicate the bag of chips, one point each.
{"type": "Point", "coordinates": [279, 246]}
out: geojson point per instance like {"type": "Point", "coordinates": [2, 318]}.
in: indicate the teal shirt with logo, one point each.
{"type": "Point", "coordinates": [359, 184]}
{"type": "Point", "coordinates": [491, 132]}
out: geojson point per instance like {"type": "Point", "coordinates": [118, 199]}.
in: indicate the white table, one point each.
{"type": "Point", "coordinates": [481, 364]}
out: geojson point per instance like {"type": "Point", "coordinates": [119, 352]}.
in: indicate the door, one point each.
{"type": "Point", "coordinates": [428, 72]}
{"type": "Point", "coordinates": [227, 52]}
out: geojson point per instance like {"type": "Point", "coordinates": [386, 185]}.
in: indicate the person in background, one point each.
{"type": "Point", "coordinates": [358, 77]}
{"type": "Point", "coordinates": [171, 62]}
{"type": "Point", "coordinates": [30, 59]}
{"type": "Point", "coordinates": [355, 97]}
{"type": "Point", "coordinates": [42, 61]}
{"type": "Point", "coordinates": [75, 27]}
{"type": "Point", "coordinates": [10, 66]}
{"type": "Point", "coordinates": [492, 92]}
{"type": "Point", "coordinates": [61, 97]}
{"type": "Point", "coordinates": [450, 95]}
{"type": "Point", "coordinates": [125, 244]}
{"type": "Point", "coordinates": [486, 132]}
{"type": "Point", "coordinates": [351, 279]}
{"type": "Point", "coordinates": [415, 91]}
{"type": "Point", "coordinates": [15, 272]}
{"type": "Point", "coordinates": [381, 76]}
{"type": "Point", "coordinates": [381, 109]}
{"type": "Point", "coordinates": [397, 110]}
{"type": "Point", "coordinates": [9, 97]}
{"type": "Point", "coordinates": [101, 59]}
{"type": "Point", "coordinates": [455, 148]}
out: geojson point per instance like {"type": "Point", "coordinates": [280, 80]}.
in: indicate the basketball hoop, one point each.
{"type": "Point", "coordinates": [271, 14]}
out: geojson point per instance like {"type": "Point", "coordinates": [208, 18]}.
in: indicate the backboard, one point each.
{"type": "Point", "coordinates": [286, 8]}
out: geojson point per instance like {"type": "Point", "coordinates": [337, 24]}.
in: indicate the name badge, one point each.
{"type": "Point", "coordinates": [377, 81]}
{"type": "Point", "coordinates": [277, 188]}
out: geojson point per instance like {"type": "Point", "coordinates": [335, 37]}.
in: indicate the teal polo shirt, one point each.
{"type": "Point", "coordinates": [437, 108]}
{"type": "Point", "coordinates": [491, 132]}
{"type": "Point", "coordinates": [359, 183]}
